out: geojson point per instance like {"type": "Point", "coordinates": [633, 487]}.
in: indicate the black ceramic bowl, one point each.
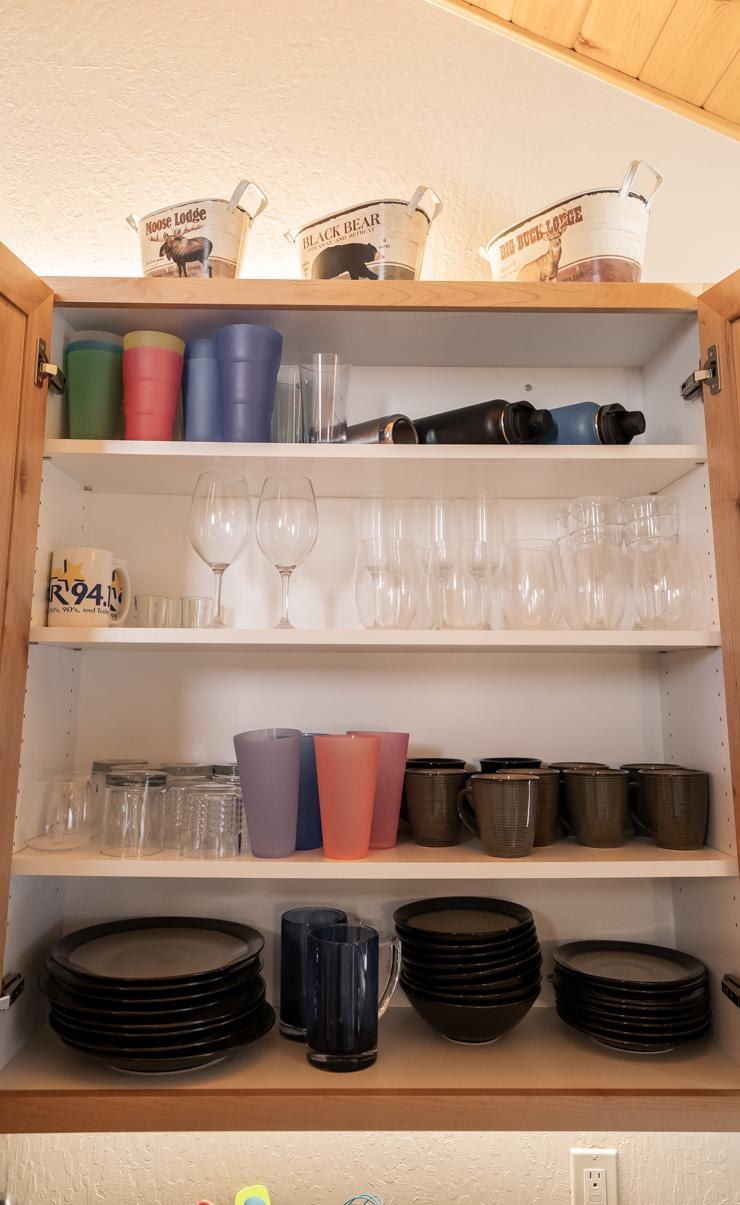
{"type": "Point", "coordinates": [435, 954]}
{"type": "Point", "coordinates": [493, 988]}
{"type": "Point", "coordinates": [509, 996]}
{"type": "Point", "coordinates": [470, 1023]}
{"type": "Point", "coordinates": [461, 920]}
{"type": "Point", "coordinates": [463, 975]}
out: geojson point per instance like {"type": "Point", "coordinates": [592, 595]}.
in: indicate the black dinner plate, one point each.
{"type": "Point", "coordinates": [631, 1046]}
{"type": "Point", "coordinates": [630, 1034]}
{"type": "Point", "coordinates": [153, 952]}
{"type": "Point", "coordinates": [629, 964]}
{"type": "Point", "coordinates": [161, 990]}
{"type": "Point", "coordinates": [154, 1009]}
{"type": "Point", "coordinates": [619, 1026]}
{"type": "Point", "coordinates": [155, 1044]}
{"type": "Point", "coordinates": [633, 1008]}
{"type": "Point", "coordinates": [461, 920]}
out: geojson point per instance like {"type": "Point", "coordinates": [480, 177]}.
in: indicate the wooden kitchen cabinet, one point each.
{"type": "Point", "coordinates": [70, 696]}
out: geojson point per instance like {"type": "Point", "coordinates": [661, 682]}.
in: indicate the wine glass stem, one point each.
{"type": "Point", "coordinates": [285, 588]}
{"type": "Point", "coordinates": [218, 575]}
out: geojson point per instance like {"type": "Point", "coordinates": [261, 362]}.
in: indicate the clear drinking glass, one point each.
{"type": "Point", "coordinates": [386, 583]}
{"type": "Point", "coordinates": [324, 389]}
{"type": "Point", "coordinates": [220, 521]}
{"type": "Point", "coordinates": [459, 589]}
{"type": "Point", "coordinates": [665, 581]}
{"type": "Point", "coordinates": [173, 612]}
{"type": "Point", "coordinates": [530, 587]}
{"type": "Point", "coordinates": [595, 511]}
{"type": "Point", "coordinates": [650, 506]}
{"type": "Point", "coordinates": [212, 822]}
{"type": "Point", "coordinates": [175, 801]}
{"type": "Point", "coordinates": [150, 610]}
{"type": "Point", "coordinates": [133, 814]}
{"type": "Point", "coordinates": [287, 414]}
{"type": "Point", "coordinates": [196, 612]}
{"type": "Point", "coordinates": [66, 820]}
{"type": "Point", "coordinates": [594, 572]}
{"type": "Point", "coordinates": [287, 527]}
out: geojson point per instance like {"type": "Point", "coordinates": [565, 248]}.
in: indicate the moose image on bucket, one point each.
{"type": "Point", "coordinates": [596, 236]}
{"type": "Point", "coordinates": [198, 238]}
{"type": "Point", "coordinates": [380, 240]}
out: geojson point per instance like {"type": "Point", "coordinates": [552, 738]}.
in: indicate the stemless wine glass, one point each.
{"type": "Point", "coordinates": [287, 526]}
{"type": "Point", "coordinates": [593, 566]}
{"type": "Point", "coordinates": [220, 519]}
{"type": "Point", "coordinates": [386, 583]}
{"type": "Point", "coordinates": [530, 586]}
{"type": "Point", "coordinates": [665, 578]}
{"type": "Point", "coordinates": [459, 584]}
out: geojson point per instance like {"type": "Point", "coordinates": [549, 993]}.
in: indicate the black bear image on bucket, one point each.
{"type": "Point", "coordinates": [198, 238]}
{"type": "Point", "coordinates": [380, 240]}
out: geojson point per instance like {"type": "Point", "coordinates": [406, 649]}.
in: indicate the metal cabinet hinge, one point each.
{"type": "Point", "coordinates": [731, 988]}
{"type": "Point", "coordinates": [707, 375]}
{"type": "Point", "coordinates": [12, 987]}
{"type": "Point", "coordinates": [46, 371]}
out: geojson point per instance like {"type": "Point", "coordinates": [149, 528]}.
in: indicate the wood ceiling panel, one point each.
{"type": "Point", "coordinates": [621, 34]}
{"type": "Point", "coordinates": [556, 20]}
{"type": "Point", "coordinates": [696, 46]}
{"type": "Point", "coordinates": [724, 99]}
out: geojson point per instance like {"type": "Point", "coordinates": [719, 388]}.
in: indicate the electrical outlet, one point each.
{"type": "Point", "coordinates": [593, 1176]}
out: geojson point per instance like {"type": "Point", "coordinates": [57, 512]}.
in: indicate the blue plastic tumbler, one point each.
{"type": "Point", "coordinates": [308, 833]}
{"type": "Point", "coordinates": [248, 358]}
{"type": "Point", "coordinates": [200, 392]}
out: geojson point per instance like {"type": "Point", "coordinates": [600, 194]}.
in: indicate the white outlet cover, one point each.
{"type": "Point", "coordinates": [581, 1160]}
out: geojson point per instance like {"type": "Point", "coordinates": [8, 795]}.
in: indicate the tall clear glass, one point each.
{"type": "Point", "coordinates": [665, 581]}
{"type": "Point", "coordinates": [594, 575]}
{"type": "Point", "coordinates": [386, 583]}
{"type": "Point", "coordinates": [287, 527]}
{"type": "Point", "coordinates": [459, 588]}
{"type": "Point", "coordinates": [324, 390]}
{"type": "Point", "coordinates": [530, 585]}
{"type": "Point", "coordinates": [287, 414]}
{"type": "Point", "coordinates": [220, 522]}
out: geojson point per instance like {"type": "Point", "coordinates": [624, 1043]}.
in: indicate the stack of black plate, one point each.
{"type": "Point", "coordinates": [630, 996]}
{"type": "Point", "coordinates": [470, 966]}
{"type": "Point", "coordinates": [158, 994]}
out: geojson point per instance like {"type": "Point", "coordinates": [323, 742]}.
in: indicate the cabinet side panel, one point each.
{"type": "Point", "coordinates": [669, 418]}
{"type": "Point", "coordinates": [34, 921]}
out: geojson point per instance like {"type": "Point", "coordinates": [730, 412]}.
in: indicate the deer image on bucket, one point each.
{"type": "Point", "coordinates": [595, 236]}
{"type": "Point", "coordinates": [380, 240]}
{"type": "Point", "coordinates": [198, 238]}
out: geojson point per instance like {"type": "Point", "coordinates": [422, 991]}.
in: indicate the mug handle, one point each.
{"type": "Point", "coordinates": [390, 987]}
{"type": "Point", "coordinates": [639, 824]}
{"type": "Point", "coordinates": [239, 191]}
{"type": "Point", "coordinates": [465, 811]}
{"type": "Point", "coordinates": [126, 604]}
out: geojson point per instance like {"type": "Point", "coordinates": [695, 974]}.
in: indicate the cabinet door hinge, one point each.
{"type": "Point", "coordinates": [12, 987]}
{"type": "Point", "coordinates": [707, 375]}
{"type": "Point", "coordinates": [47, 371]}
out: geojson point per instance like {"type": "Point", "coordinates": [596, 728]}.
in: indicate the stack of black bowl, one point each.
{"type": "Point", "coordinates": [470, 966]}
{"type": "Point", "coordinates": [630, 996]}
{"type": "Point", "coordinates": [158, 994]}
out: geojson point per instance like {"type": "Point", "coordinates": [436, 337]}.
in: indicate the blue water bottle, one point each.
{"type": "Point", "coordinates": [588, 423]}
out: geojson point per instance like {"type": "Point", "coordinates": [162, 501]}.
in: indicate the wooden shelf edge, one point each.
{"type": "Point", "coordinates": [563, 297]}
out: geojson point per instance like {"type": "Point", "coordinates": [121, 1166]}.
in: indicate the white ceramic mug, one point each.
{"type": "Point", "coordinates": [83, 592]}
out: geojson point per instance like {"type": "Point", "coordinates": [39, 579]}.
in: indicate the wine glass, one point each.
{"type": "Point", "coordinates": [287, 526]}
{"type": "Point", "coordinates": [386, 582]}
{"type": "Point", "coordinates": [220, 520]}
{"type": "Point", "coordinates": [530, 586]}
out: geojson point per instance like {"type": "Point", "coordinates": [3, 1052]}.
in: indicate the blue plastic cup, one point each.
{"type": "Point", "coordinates": [249, 341]}
{"type": "Point", "coordinates": [247, 394]}
{"type": "Point", "coordinates": [200, 392]}
{"type": "Point", "coordinates": [308, 832]}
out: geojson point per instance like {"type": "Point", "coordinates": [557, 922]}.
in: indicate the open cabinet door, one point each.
{"type": "Point", "coordinates": [719, 329]}
{"type": "Point", "coordinates": [25, 316]}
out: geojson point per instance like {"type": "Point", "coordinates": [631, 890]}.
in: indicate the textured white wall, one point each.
{"type": "Point", "coordinates": [325, 1169]}
{"type": "Point", "coordinates": [114, 107]}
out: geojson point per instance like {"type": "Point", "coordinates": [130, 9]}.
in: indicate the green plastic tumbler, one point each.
{"type": "Point", "coordinates": [94, 390]}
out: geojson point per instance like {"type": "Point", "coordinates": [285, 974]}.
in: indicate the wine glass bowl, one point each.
{"type": "Point", "coordinates": [287, 527]}
{"type": "Point", "coordinates": [220, 523]}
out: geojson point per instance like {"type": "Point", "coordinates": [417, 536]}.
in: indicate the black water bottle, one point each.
{"type": "Point", "coordinates": [496, 422]}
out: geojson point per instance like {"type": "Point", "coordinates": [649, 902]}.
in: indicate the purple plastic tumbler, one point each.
{"type": "Point", "coordinates": [269, 761]}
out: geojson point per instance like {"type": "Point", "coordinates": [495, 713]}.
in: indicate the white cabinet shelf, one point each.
{"type": "Point", "coordinates": [357, 470]}
{"type": "Point", "coordinates": [359, 640]}
{"type": "Point", "coordinates": [638, 859]}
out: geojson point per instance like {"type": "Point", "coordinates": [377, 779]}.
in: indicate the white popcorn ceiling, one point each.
{"type": "Point", "coordinates": [326, 1169]}
{"type": "Point", "coordinates": [109, 108]}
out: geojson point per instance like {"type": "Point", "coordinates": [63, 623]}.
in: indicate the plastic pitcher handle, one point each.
{"type": "Point", "coordinates": [465, 811]}
{"type": "Point", "coordinates": [415, 202]}
{"type": "Point", "coordinates": [393, 974]}
{"type": "Point", "coordinates": [629, 178]}
{"type": "Point", "coordinates": [133, 222]}
{"type": "Point", "coordinates": [239, 192]}
{"type": "Point", "coordinates": [126, 604]}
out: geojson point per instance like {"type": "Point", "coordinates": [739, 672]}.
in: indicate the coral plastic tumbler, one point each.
{"type": "Point", "coordinates": [347, 768]}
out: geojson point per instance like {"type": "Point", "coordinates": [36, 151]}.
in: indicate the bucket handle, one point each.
{"type": "Point", "coordinates": [290, 236]}
{"type": "Point", "coordinates": [238, 193]}
{"type": "Point", "coordinates": [632, 171]}
{"type": "Point", "coordinates": [133, 222]}
{"type": "Point", "coordinates": [419, 195]}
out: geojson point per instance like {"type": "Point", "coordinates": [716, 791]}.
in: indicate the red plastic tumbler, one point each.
{"type": "Point", "coordinates": [151, 389]}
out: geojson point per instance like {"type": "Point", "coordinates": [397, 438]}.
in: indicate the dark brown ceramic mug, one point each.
{"type": "Point", "coordinates": [501, 809]}
{"type": "Point", "coordinates": [633, 768]}
{"type": "Point", "coordinates": [561, 767]}
{"type": "Point", "coordinates": [597, 806]}
{"type": "Point", "coordinates": [675, 807]}
{"type": "Point", "coordinates": [548, 829]}
{"type": "Point", "coordinates": [431, 800]}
